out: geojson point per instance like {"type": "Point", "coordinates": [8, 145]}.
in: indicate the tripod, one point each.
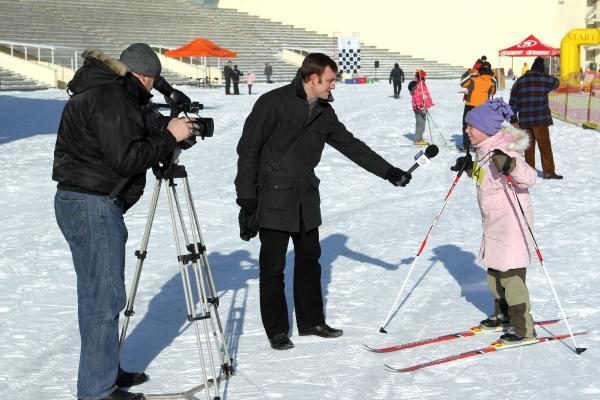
{"type": "Point", "coordinates": [193, 260]}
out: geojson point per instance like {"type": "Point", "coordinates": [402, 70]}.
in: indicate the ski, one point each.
{"type": "Point", "coordinates": [496, 346]}
{"type": "Point", "coordinates": [476, 330]}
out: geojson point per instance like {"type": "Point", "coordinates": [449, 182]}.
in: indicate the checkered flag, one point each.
{"type": "Point", "coordinates": [349, 54]}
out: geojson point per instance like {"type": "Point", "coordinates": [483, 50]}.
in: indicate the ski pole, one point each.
{"type": "Point", "coordinates": [423, 243]}
{"type": "Point", "coordinates": [428, 125]}
{"type": "Point", "coordinates": [578, 349]}
{"type": "Point", "coordinates": [438, 128]}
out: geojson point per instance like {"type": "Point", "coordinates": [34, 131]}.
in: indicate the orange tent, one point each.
{"type": "Point", "coordinates": [201, 48]}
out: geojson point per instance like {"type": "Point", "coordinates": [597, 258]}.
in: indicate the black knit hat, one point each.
{"type": "Point", "coordinates": [140, 58]}
{"type": "Point", "coordinates": [538, 65]}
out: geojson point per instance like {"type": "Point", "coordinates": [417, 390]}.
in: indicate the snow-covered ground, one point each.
{"type": "Point", "coordinates": [370, 235]}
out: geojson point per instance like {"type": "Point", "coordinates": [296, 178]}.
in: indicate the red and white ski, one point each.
{"type": "Point", "coordinates": [476, 330]}
{"type": "Point", "coordinates": [496, 346]}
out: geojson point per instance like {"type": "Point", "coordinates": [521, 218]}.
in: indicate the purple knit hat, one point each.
{"type": "Point", "coordinates": [489, 116]}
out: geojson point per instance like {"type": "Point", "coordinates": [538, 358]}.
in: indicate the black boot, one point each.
{"type": "Point", "coordinates": [127, 379]}
{"type": "Point", "coordinates": [495, 321]}
{"type": "Point", "coordinates": [515, 338]}
{"type": "Point", "coordinates": [124, 395]}
{"type": "Point", "coordinates": [499, 318]}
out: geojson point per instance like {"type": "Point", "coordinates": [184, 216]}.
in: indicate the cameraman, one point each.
{"type": "Point", "coordinates": [102, 152]}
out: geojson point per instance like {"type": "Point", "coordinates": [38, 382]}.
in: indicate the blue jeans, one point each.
{"type": "Point", "coordinates": [94, 228]}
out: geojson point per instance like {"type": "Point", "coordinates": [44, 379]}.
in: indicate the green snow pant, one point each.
{"type": "Point", "coordinates": [510, 287]}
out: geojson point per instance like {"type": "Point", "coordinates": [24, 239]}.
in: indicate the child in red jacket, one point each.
{"type": "Point", "coordinates": [421, 102]}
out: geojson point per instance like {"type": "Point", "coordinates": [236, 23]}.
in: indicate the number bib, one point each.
{"type": "Point", "coordinates": [478, 173]}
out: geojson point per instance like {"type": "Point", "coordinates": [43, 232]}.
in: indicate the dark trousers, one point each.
{"type": "Point", "coordinates": [466, 141]}
{"type": "Point", "coordinates": [541, 135]}
{"type": "Point", "coordinates": [397, 88]}
{"type": "Point", "coordinates": [509, 290]}
{"type": "Point", "coordinates": [227, 85]}
{"type": "Point", "coordinates": [249, 89]}
{"type": "Point", "coordinates": [308, 299]}
{"type": "Point", "coordinates": [236, 88]}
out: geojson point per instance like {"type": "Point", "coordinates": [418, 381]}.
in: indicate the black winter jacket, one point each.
{"type": "Point", "coordinates": [279, 149]}
{"type": "Point", "coordinates": [397, 75]}
{"type": "Point", "coordinates": [235, 75]}
{"type": "Point", "coordinates": [102, 140]}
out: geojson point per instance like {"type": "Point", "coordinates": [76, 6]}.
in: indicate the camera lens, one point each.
{"type": "Point", "coordinates": [204, 127]}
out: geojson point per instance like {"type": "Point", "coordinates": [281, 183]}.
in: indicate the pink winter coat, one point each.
{"type": "Point", "coordinates": [250, 78]}
{"type": "Point", "coordinates": [505, 242]}
{"type": "Point", "coordinates": [421, 99]}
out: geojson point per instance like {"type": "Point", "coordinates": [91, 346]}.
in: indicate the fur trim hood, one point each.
{"type": "Point", "coordinates": [98, 69]}
{"type": "Point", "coordinates": [117, 66]}
{"type": "Point", "coordinates": [521, 138]}
{"type": "Point", "coordinates": [509, 137]}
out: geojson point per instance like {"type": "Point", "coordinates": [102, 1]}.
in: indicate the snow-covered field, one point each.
{"type": "Point", "coordinates": [371, 233]}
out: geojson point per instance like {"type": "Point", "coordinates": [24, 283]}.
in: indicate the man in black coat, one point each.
{"type": "Point", "coordinates": [281, 144]}
{"type": "Point", "coordinates": [235, 78]}
{"type": "Point", "coordinates": [397, 77]}
{"type": "Point", "coordinates": [103, 149]}
{"type": "Point", "coordinates": [227, 76]}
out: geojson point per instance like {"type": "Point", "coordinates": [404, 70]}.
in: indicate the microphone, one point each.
{"type": "Point", "coordinates": [422, 158]}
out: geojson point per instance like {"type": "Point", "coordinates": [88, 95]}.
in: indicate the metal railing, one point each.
{"type": "Point", "coordinates": [22, 50]}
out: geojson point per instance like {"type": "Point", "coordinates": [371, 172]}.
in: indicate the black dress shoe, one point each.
{"type": "Point", "coordinates": [553, 176]}
{"type": "Point", "coordinates": [127, 379]}
{"type": "Point", "coordinates": [124, 395]}
{"type": "Point", "coordinates": [324, 331]}
{"type": "Point", "coordinates": [281, 341]}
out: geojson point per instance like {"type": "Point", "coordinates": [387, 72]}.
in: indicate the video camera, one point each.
{"type": "Point", "coordinates": [179, 103]}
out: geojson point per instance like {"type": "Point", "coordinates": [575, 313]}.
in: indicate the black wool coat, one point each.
{"type": "Point", "coordinates": [280, 146]}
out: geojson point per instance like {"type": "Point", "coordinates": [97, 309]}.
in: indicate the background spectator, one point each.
{"type": "Point", "coordinates": [250, 79]}
{"type": "Point", "coordinates": [268, 72]}
{"type": "Point", "coordinates": [529, 102]}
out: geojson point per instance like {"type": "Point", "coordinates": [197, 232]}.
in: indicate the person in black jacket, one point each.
{"type": "Point", "coordinates": [235, 78]}
{"type": "Point", "coordinates": [281, 144]}
{"type": "Point", "coordinates": [102, 152]}
{"type": "Point", "coordinates": [397, 77]}
{"type": "Point", "coordinates": [227, 75]}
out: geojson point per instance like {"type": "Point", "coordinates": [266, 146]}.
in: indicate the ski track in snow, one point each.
{"type": "Point", "coordinates": [370, 236]}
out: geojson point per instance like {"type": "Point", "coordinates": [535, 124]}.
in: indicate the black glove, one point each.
{"type": "Point", "coordinates": [397, 177]}
{"type": "Point", "coordinates": [248, 218]}
{"type": "Point", "coordinates": [503, 162]}
{"type": "Point", "coordinates": [248, 205]}
{"type": "Point", "coordinates": [467, 161]}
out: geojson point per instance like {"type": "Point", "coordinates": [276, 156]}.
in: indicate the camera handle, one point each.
{"type": "Point", "coordinates": [192, 260]}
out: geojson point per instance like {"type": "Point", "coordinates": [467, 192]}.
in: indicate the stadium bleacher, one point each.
{"type": "Point", "coordinates": [110, 25]}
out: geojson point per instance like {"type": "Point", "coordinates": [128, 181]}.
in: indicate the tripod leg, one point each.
{"type": "Point", "coordinates": [141, 255]}
{"type": "Point", "coordinates": [185, 260]}
{"type": "Point", "coordinates": [213, 298]}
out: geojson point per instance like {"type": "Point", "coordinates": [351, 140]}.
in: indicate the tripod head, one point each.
{"type": "Point", "coordinates": [170, 169]}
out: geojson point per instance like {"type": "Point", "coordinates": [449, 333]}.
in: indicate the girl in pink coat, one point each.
{"type": "Point", "coordinates": [250, 79]}
{"type": "Point", "coordinates": [505, 244]}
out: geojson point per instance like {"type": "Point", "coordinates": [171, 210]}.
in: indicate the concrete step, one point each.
{"type": "Point", "coordinates": [10, 81]}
